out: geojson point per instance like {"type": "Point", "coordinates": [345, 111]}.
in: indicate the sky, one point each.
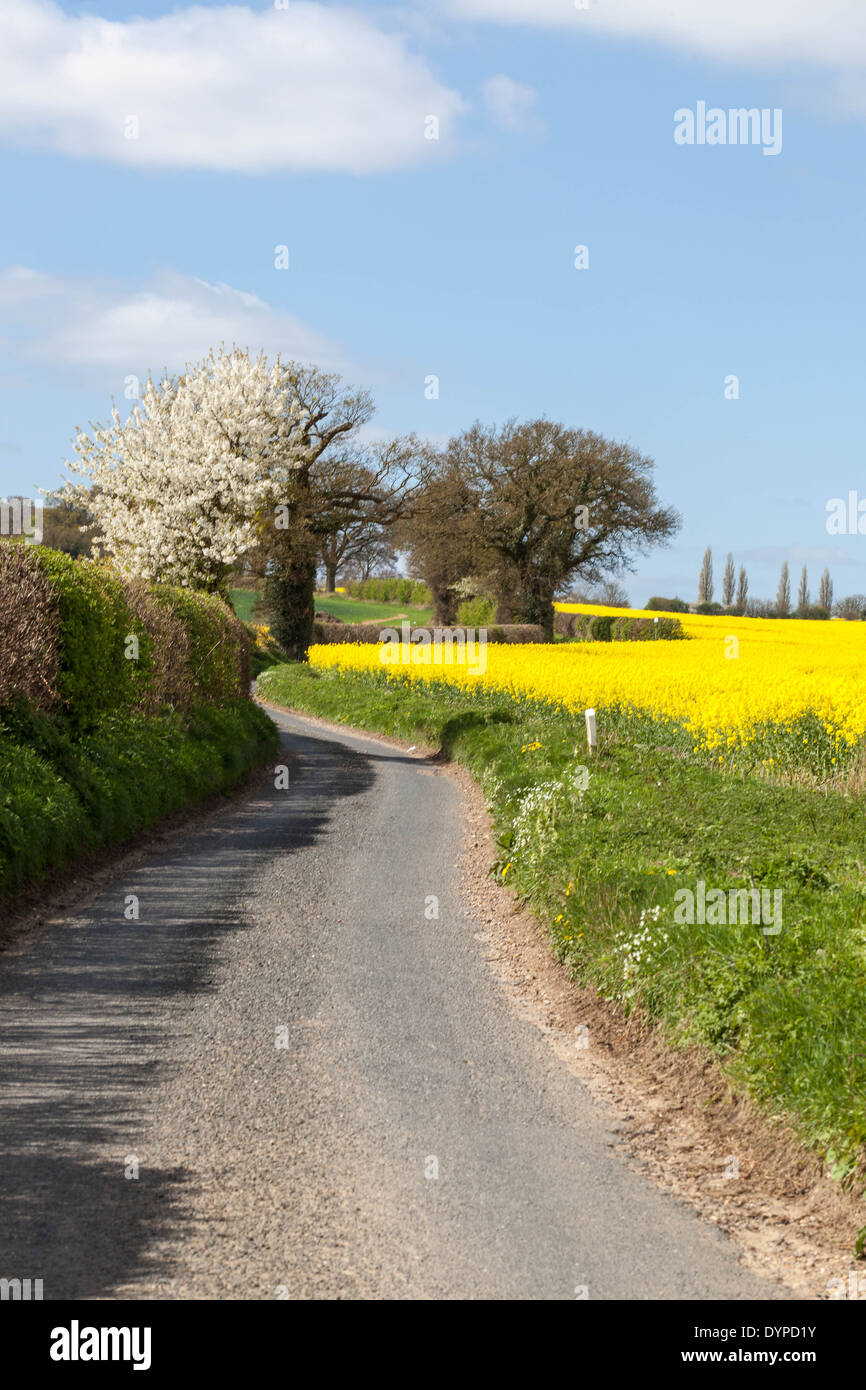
{"type": "Point", "coordinates": [430, 170]}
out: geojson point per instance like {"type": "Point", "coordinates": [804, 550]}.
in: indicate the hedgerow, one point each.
{"type": "Point", "coordinates": [120, 701]}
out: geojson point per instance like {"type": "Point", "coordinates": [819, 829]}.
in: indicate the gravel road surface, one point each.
{"type": "Point", "coordinates": [321, 1088]}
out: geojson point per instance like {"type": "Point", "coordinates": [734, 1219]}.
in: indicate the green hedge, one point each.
{"type": "Point", "coordinates": [95, 621]}
{"type": "Point", "coordinates": [187, 646]}
{"type": "Point", "coordinates": [604, 627]}
{"type": "Point", "coordinates": [218, 667]}
{"type": "Point", "coordinates": [64, 795]}
{"type": "Point", "coordinates": [126, 731]}
{"type": "Point", "coordinates": [410, 591]}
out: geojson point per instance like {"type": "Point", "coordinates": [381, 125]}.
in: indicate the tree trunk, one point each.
{"type": "Point", "coordinates": [330, 577]}
{"type": "Point", "coordinates": [540, 610]}
{"type": "Point", "coordinates": [290, 588]}
{"type": "Point", "coordinates": [444, 605]}
{"type": "Point", "coordinates": [534, 605]}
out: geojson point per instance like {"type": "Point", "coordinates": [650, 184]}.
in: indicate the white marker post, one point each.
{"type": "Point", "coordinates": [591, 732]}
{"type": "Point", "coordinates": [656, 628]}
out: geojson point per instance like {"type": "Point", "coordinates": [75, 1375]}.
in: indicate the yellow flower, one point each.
{"type": "Point", "coordinates": [795, 669]}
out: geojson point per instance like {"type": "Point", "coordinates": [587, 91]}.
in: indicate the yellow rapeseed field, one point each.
{"type": "Point", "coordinates": [733, 678]}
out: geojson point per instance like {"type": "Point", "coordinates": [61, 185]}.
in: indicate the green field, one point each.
{"type": "Point", "coordinates": [359, 610]}
{"type": "Point", "coordinates": [242, 602]}
{"type": "Point", "coordinates": [351, 610]}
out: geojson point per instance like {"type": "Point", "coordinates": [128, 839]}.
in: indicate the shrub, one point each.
{"type": "Point", "coordinates": [65, 642]}
{"type": "Point", "coordinates": [265, 651]}
{"type": "Point", "coordinates": [669, 630]}
{"type": "Point", "coordinates": [517, 632]}
{"type": "Point", "coordinates": [477, 612]}
{"type": "Point", "coordinates": [393, 590]}
{"type": "Point", "coordinates": [95, 621]}
{"type": "Point", "coordinates": [596, 627]}
{"type": "Point", "coordinates": [109, 738]}
{"type": "Point", "coordinates": [667, 605]}
{"type": "Point", "coordinates": [219, 655]}
{"type": "Point", "coordinates": [710, 609]}
{"type": "Point", "coordinates": [601, 627]}
{"type": "Point", "coordinates": [163, 651]}
{"type": "Point", "coordinates": [29, 632]}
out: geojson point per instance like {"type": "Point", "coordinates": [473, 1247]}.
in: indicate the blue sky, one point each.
{"type": "Point", "coordinates": [454, 257]}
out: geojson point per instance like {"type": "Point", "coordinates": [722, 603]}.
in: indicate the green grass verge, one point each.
{"type": "Point", "coordinates": [783, 1014]}
{"type": "Point", "coordinates": [62, 796]}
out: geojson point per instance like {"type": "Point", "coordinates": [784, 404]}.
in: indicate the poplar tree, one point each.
{"type": "Point", "coordinates": [729, 581]}
{"type": "Point", "coordinates": [783, 593]}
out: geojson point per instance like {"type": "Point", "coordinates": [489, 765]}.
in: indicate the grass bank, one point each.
{"type": "Point", "coordinates": [607, 858]}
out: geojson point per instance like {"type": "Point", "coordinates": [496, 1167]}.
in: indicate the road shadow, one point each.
{"type": "Point", "coordinates": [88, 1009]}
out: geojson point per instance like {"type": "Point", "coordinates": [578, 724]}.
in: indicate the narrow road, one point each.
{"type": "Point", "coordinates": [319, 1084]}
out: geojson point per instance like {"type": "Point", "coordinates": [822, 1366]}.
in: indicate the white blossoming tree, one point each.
{"type": "Point", "coordinates": [178, 489]}
{"type": "Point", "coordinates": [231, 455]}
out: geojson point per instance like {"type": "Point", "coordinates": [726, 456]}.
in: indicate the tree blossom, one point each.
{"type": "Point", "coordinates": [178, 489]}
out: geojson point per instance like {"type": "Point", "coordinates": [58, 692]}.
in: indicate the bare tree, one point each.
{"type": "Point", "coordinates": [729, 581]}
{"type": "Point", "coordinates": [705, 578]}
{"type": "Point", "coordinates": [825, 592]}
{"type": "Point", "coordinates": [852, 608]}
{"type": "Point", "coordinates": [373, 556]}
{"type": "Point", "coordinates": [611, 594]}
{"type": "Point", "coordinates": [803, 592]}
{"type": "Point", "coordinates": [783, 593]}
{"type": "Point", "coordinates": [356, 504]}
{"type": "Point", "coordinates": [742, 590]}
{"type": "Point", "coordinates": [441, 536]}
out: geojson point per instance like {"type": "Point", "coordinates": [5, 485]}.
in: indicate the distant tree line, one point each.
{"type": "Point", "coordinates": [735, 599]}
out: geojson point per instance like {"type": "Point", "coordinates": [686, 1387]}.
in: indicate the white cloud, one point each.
{"type": "Point", "coordinates": [833, 31]}
{"type": "Point", "coordinates": [829, 34]}
{"type": "Point", "coordinates": [510, 103]}
{"type": "Point", "coordinates": [306, 88]}
{"type": "Point", "coordinates": [102, 331]}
